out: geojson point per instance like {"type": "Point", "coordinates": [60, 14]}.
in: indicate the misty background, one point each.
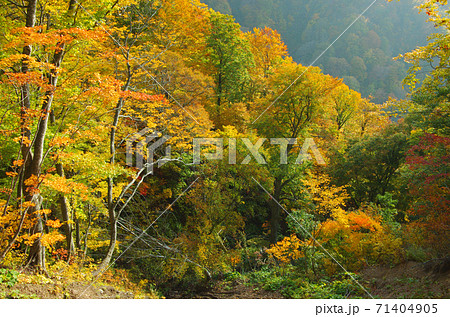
{"type": "Point", "coordinates": [363, 56]}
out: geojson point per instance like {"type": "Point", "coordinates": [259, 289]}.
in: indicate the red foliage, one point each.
{"type": "Point", "coordinates": [430, 162]}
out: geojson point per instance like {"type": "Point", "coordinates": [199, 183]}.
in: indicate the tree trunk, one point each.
{"type": "Point", "coordinates": [86, 235]}
{"type": "Point", "coordinates": [275, 211]}
{"type": "Point", "coordinates": [65, 212]}
{"type": "Point", "coordinates": [77, 232]}
{"type": "Point", "coordinates": [112, 230]}
{"type": "Point", "coordinates": [25, 99]}
{"type": "Point", "coordinates": [36, 255]}
{"type": "Point", "coordinates": [113, 218]}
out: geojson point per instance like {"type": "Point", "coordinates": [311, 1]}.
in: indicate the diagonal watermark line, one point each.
{"type": "Point", "coordinates": [140, 66]}
{"type": "Point", "coordinates": [314, 239]}
{"type": "Point", "coordinates": [307, 68]}
{"type": "Point", "coordinates": [139, 237]}
{"type": "Point", "coordinates": [163, 245]}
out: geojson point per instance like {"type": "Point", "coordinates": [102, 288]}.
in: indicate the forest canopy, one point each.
{"type": "Point", "coordinates": [364, 54]}
{"type": "Point", "coordinates": [303, 179]}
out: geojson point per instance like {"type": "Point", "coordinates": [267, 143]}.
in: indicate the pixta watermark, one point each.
{"type": "Point", "coordinates": [147, 142]}
{"type": "Point", "coordinates": [254, 150]}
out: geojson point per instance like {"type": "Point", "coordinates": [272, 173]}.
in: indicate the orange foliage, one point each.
{"type": "Point", "coordinates": [358, 238]}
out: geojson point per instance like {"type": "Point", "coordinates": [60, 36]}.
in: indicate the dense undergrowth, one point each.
{"type": "Point", "coordinates": [150, 147]}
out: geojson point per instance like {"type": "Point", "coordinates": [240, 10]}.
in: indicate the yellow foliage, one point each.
{"type": "Point", "coordinates": [34, 279]}
{"type": "Point", "coordinates": [267, 48]}
{"type": "Point", "coordinates": [66, 186]}
{"type": "Point", "coordinates": [235, 259]}
{"type": "Point", "coordinates": [29, 239]}
{"type": "Point", "coordinates": [9, 224]}
{"type": "Point", "coordinates": [71, 272]}
{"type": "Point", "coordinates": [43, 212]}
{"type": "Point", "coordinates": [98, 239]}
{"type": "Point", "coordinates": [328, 199]}
{"type": "Point", "coordinates": [50, 239]}
{"type": "Point", "coordinates": [53, 223]}
{"type": "Point", "coordinates": [287, 250]}
{"type": "Point", "coordinates": [359, 238]}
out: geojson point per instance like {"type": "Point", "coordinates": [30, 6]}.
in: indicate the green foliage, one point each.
{"type": "Point", "coordinates": [416, 253]}
{"type": "Point", "coordinates": [370, 165]}
{"type": "Point", "coordinates": [229, 59]}
{"type": "Point", "coordinates": [388, 210]}
{"type": "Point", "coordinates": [302, 222]}
{"type": "Point", "coordinates": [252, 254]}
{"type": "Point", "coordinates": [274, 279]}
{"type": "Point", "coordinates": [290, 284]}
{"type": "Point", "coordinates": [8, 277]}
{"type": "Point", "coordinates": [336, 289]}
{"type": "Point", "coordinates": [231, 276]}
{"type": "Point", "coordinates": [363, 56]}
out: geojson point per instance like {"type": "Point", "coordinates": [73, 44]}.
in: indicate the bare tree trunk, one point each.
{"type": "Point", "coordinates": [27, 156]}
{"type": "Point", "coordinates": [77, 232]}
{"type": "Point", "coordinates": [112, 230]}
{"type": "Point", "coordinates": [32, 153]}
{"type": "Point", "coordinates": [113, 218]}
{"type": "Point", "coordinates": [36, 256]}
{"type": "Point", "coordinates": [86, 235]}
{"type": "Point", "coordinates": [25, 103]}
{"type": "Point", "coordinates": [65, 212]}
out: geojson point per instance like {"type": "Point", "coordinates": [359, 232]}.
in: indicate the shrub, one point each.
{"type": "Point", "coordinates": [8, 277]}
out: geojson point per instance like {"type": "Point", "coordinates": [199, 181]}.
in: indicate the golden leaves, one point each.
{"type": "Point", "coordinates": [328, 199]}
{"type": "Point", "coordinates": [61, 141]}
{"type": "Point", "coordinates": [287, 250]}
{"type": "Point", "coordinates": [53, 223]}
{"type": "Point", "coordinates": [31, 77]}
{"type": "Point", "coordinates": [44, 212]}
{"type": "Point", "coordinates": [359, 236]}
{"type": "Point", "coordinates": [32, 184]}
{"type": "Point", "coordinates": [18, 163]}
{"type": "Point", "coordinates": [65, 186]}
{"type": "Point", "coordinates": [27, 204]}
{"type": "Point", "coordinates": [140, 96]}
{"type": "Point", "coordinates": [267, 48]}
{"type": "Point", "coordinates": [46, 239]}
{"type": "Point", "coordinates": [49, 239]}
{"type": "Point", "coordinates": [29, 239]}
{"type": "Point", "coordinates": [53, 39]}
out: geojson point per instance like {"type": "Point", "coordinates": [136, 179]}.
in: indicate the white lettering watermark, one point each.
{"type": "Point", "coordinates": [147, 141]}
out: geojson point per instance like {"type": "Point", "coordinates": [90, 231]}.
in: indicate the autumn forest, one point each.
{"type": "Point", "coordinates": [160, 149]}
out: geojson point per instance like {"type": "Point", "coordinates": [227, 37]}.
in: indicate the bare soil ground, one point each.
{"type": "Point", "coordinates": [407, 280]}
{"type": "Point", "coordinates": [229, 290]}
{"type": "Point", "coordinates": [70, 291]}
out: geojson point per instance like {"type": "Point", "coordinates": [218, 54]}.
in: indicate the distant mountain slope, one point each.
{"type": "Point", "coordinates": [362, 56]}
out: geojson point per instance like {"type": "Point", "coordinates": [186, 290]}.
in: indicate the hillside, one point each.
{"type": "Point", "coordinates": [363, 56]}
{"type": "Point", "coordinates": [152, 148]}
